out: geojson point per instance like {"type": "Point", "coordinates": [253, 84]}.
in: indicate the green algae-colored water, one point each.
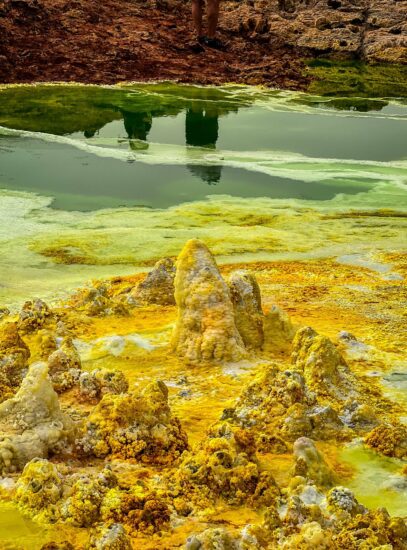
{"type": "Point", "coordinates": [99, 181]}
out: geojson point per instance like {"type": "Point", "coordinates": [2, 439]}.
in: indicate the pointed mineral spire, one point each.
{"type": "Point", "coordinates": [205, 329]}
{"type": "Point", "coordinates": [246, 299]}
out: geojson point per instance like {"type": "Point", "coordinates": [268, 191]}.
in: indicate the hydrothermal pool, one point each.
{"type": "Point", "coordinates": [305, 192]}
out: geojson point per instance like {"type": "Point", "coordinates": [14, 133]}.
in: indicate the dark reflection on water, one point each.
{"type": "Point", "coordinates": [204, 121]}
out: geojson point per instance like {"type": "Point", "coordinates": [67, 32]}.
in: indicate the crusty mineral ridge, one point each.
{"type": "Point", "coordinates": [246, 300]}
{"type": "Point", "coordinates": [64, 366]}
{"type": "Point", "coordinates": [325, 370]}
{"type": "Point", "coordinates": [14, 354]}
{"type": "Point", "coordinates": [205, 330]}
{"type": "Point", "coordinates": [310, 464]}
{"type": "Point", "coordinates": [31, 423]}
{"type": "Point", "coordinates": [158, 286]}
{"type": "Point", "coordinates": [211, 539]}
{"type": "Point", "coordinates": [135, 426]}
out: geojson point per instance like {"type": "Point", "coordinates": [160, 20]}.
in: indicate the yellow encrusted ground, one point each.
{"type": "Point", "coordinates": [324, 294]}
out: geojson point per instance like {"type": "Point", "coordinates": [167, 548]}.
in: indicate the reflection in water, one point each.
{"type": "Point", "coordinates": [137, 126]}
{"type": "Point", "coordinates": [202, 130]}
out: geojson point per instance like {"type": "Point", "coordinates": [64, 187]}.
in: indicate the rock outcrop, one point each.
{"type": "Point", "coordinates": [31, 423]}
{"type": "Point", "coordinates": [224, 466]}
{"type": "Point", "coordinates": [134, 425]}
{"type": "Point", "coordinates": [34, 315]}
{"type": "Point", "coordinates": [371, 30]}
{"type": "Point", "coordinates": [325, 370]}
{"type": "Point", "coordinates": [246, 300]}
{"type": "Point", "coordinates": [14, 354]}
{"type": "Point", "coordinates": [64, 366]}
{"type": "Point", "coordinates": [310, 464]}
{"type": "Point", "coordinates": [157, 287]}
{"type": "Point", "coordinates": [205, 330]}
{"type": "Point", "coordinates": [99, 382]}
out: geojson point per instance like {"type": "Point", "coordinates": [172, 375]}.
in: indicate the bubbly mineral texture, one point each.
{"type": "Point", "coordinates": [158, 286]}
{"type": "Point", "coordinates": [95, 384]}
{"type": "Point", "coordinates": [34, 315]}
{"type": "Point", "coordinates": [325, 370]}
{"type": "Point", "coordinates": [134, 425]}
{"type": "Point", "coordinates": [389, 439]}
{"type": "Point", "coordinates": [14, 354]}
{"type": "Point", "coordinates": [224, 466]}
{"type": "Point", "coordinates": [205, 330]}
{"type": "Point", "coordinates": [64, 366]}
{"type": "Point", "coordinates": [246, 300]}
{"type": "Point", "coordinates": [31, 423]}
{"type": "Point", "coordinates": [39, 488]}
{"type": "Point", "coordinates": [113, 537]}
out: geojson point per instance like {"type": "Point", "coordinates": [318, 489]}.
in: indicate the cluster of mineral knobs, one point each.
{"type": "Point", "coordinates": [287, 408]}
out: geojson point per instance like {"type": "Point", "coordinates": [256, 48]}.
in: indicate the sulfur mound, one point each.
{"type": "Point", "coordinates": [39, 488]}
{"type": "Point", "coordinates": [205, 330]}
{"type": "Point", "coordinates": [134, 425]}
{"type": "Point", "coordinates": [113, 537]}
{"type": "Point", "coordinates": [99, 382]}
{"type": "Point", "coordinates": [310, 464]}
{"type": "Point", "coordinates": [34, 315]}
{"type": "Point", "coordinates": [64, 366]}
{"type": "Point", "coordinates": [390, 440]}
{"type": "Point", "coordinates": [224, 466]}
{"type": "Point", "coordinates": [246, 300]}
{"type": "Point", "coordinates": [96, 301]}
{"type": "Point", "coordinates": [31, 423]}
{"type": "Point", "coordinates": [325, 370]}
{"type": "Point", "coordinates": [14, 355]}
{"type": "Point", "coordinates": [158, 286]}
{"type": "Point", "coordinates": [140, 508]}
{"type": "Point", "coordinates": [85, 498]}
{"type": "Point", "coordinates": [277, 406]}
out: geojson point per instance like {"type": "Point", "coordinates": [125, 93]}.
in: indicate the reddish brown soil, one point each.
{"type": "Point", "coordinates": [107, 41]}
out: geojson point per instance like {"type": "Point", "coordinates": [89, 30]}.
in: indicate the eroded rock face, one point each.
{"type": "Point", "coordinates": [205, 330]}
{"type": "Point", "coordinates": [246, 300]}
{"type": "Point", "coordinates": [64, 366]}
{"type": "Point", "coordinates": [325, 370]}
{"type": "Point", "coordinates": [134, 426]}
{"type": "Point", "coordinates": [372, 30]}
{"type": "Point", "coordinates": [14, 354]}
{"type": "Point", "coordinates": [31, 423]}
{"type": "Point", "coordinates": [310, 464]}
{"type": "Point", "coordinates": [158, 286]}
